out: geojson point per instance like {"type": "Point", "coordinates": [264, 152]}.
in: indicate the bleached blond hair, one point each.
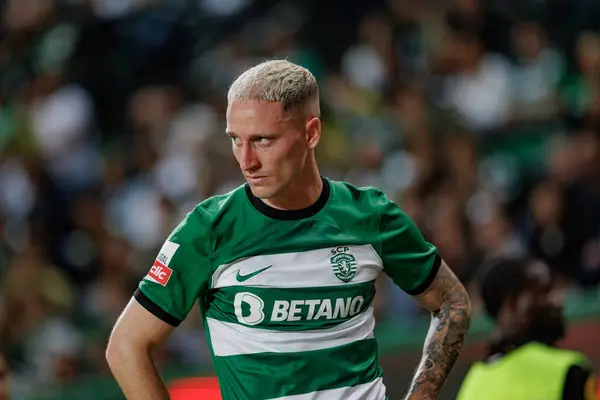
{"type": "Point", "coordinates": [278, 81]}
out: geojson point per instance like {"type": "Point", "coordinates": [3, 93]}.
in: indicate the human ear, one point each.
{"type": "Point", "coordinates": [313, 132]}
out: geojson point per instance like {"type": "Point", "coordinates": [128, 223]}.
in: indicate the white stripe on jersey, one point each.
{"type": "Point", "coordinates": [229, 339]}
{"type": "Point", "coordinates": [298, 270]}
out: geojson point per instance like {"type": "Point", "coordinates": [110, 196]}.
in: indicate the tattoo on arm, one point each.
{"type": "Point", "coordinates": [450, 308]}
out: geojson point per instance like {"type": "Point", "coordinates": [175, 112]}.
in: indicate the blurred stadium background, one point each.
{"type": "Point", "coordinates": [481, 118]}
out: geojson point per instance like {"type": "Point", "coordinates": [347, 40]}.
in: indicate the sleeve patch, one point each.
{"type": "Point", "coordinates": [160, 272]}
{"type": "Point", "coordinates": [167, 252]}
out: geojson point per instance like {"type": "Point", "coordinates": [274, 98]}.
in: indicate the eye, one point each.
{"type": "Point", "coordinates": [235, 140]}
{"type": "Point", "coordinates": [263, 141]}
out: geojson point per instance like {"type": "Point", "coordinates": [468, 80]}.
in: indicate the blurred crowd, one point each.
{"type": "Point", "coordinates": [482, 120]}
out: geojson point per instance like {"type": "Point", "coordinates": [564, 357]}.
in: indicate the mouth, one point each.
{"type": "Point", "coordinates": [255, 179]}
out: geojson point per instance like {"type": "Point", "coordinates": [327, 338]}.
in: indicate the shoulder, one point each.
{"type": "Point", "coordinates": [577, 370]}
{"type": "Point", "coordinates": [200, 221]}
{"type": "Point", "coordinates": [562, 356]}
{"type": "Point", "coordinates": [359, 196]}
{"type": "Point", "coordinates": [212, 207]}
{"type": "Point", "coordinates": [369, 202]}
{"type": "Point", "coordinates": [550, 356]}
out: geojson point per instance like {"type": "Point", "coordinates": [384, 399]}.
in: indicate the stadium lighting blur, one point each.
{"type": "Point", "coordinates": [205, 388]}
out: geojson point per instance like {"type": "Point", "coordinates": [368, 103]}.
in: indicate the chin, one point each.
{"type": "Point", "coordinates": [262, 192]}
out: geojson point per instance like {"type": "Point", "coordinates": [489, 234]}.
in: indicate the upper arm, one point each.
{"type": "Point", "coordinates": [407, 257]}
{"type": "Point", "coordinates": [181, 272]}
{"type": "Point", "coordinates": [137, 327]}
{"type": "Point", "coordinates": [414, 264]}
{"type": "Point", "coordinates": [445, 288]}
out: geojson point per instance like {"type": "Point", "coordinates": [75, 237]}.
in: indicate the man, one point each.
{"type": "Point", "coordinates": [284, 268]}
{"type": "Point", "coordinates": [522, 362]}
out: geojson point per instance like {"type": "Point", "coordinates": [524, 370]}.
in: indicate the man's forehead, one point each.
{"type": "Point", "coordinates": [253, 107]}
{"type": "Point", "coordinates": [258, 115]}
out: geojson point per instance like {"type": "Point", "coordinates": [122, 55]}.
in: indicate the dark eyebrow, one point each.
{"type": "Point", "coordinates": [264, 135]}
{"type": "Point", "coordinates": [255, 135]}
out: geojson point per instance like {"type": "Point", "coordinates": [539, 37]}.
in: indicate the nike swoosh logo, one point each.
{"type": "Point", "coordinates": [243, 278]}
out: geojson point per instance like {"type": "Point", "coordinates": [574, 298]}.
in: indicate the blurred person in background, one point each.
{"type": "Point", "coordinates": [565, 218]}
{"type": "Point", "coordinates": [523, 362]}
{"type": "Point", "coordinates": [4, 379]}
{"type": "Point", "coordinates": [579, 86]}
{"type": "Point", "coordinates": [535, 75]}
{"type": "Point", "coordinates": [42, 341]}
{"type": "Point", "coordinates": [478, 85]}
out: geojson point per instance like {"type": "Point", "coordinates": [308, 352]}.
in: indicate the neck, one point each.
{"type": "Point", "coordinates": [303, 192]}
{"type": "Point", "coordinates": [503, 342]}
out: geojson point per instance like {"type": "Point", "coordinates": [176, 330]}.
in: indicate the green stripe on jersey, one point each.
{"type": "Point", "coordinates": [287, 374]}
{"type": "Point", "coordinates": [290, 309]}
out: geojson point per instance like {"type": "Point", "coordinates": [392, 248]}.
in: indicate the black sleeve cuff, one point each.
{"type": "Point", "coordinates": [427, 282]}
{"type": "Point", "coordinates": [155, 308]}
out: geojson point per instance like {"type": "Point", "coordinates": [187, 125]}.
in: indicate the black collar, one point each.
{"type": "Point", "coordinates": [290, 215]}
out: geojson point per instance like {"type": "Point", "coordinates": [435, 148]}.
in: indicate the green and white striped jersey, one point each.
{"type": "Point", "coordinates": [287, 295]}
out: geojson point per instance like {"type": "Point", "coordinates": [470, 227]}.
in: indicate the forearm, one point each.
{"type": "Point", "coordinates": [447, 332]}
{"type": "Point", "coordinates": [136, 374]}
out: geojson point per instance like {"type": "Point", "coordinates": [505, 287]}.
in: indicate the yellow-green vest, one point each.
{"type": "Point", "coordinates": [533, 371]}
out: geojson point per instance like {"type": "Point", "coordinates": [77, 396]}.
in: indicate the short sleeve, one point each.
{"type": "Point", "coordinates": [180, 273]}
{"type": "Point", "coordinates": [408, 258]}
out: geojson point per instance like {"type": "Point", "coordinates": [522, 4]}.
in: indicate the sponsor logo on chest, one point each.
{"type": "Point", "coordinates": [250, 309]}
{"type": "Point", "coordinates": [335, 267]}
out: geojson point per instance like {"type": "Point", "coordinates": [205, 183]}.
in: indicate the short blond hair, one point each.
{"type": "Point", "coordinates": [278, 81]}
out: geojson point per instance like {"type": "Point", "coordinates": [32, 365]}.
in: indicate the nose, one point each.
{"type": "Point", "coordinates": [248, 158]}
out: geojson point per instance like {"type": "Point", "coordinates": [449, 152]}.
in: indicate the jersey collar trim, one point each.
{"type": "Point", "coordinates": [290, 215]}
